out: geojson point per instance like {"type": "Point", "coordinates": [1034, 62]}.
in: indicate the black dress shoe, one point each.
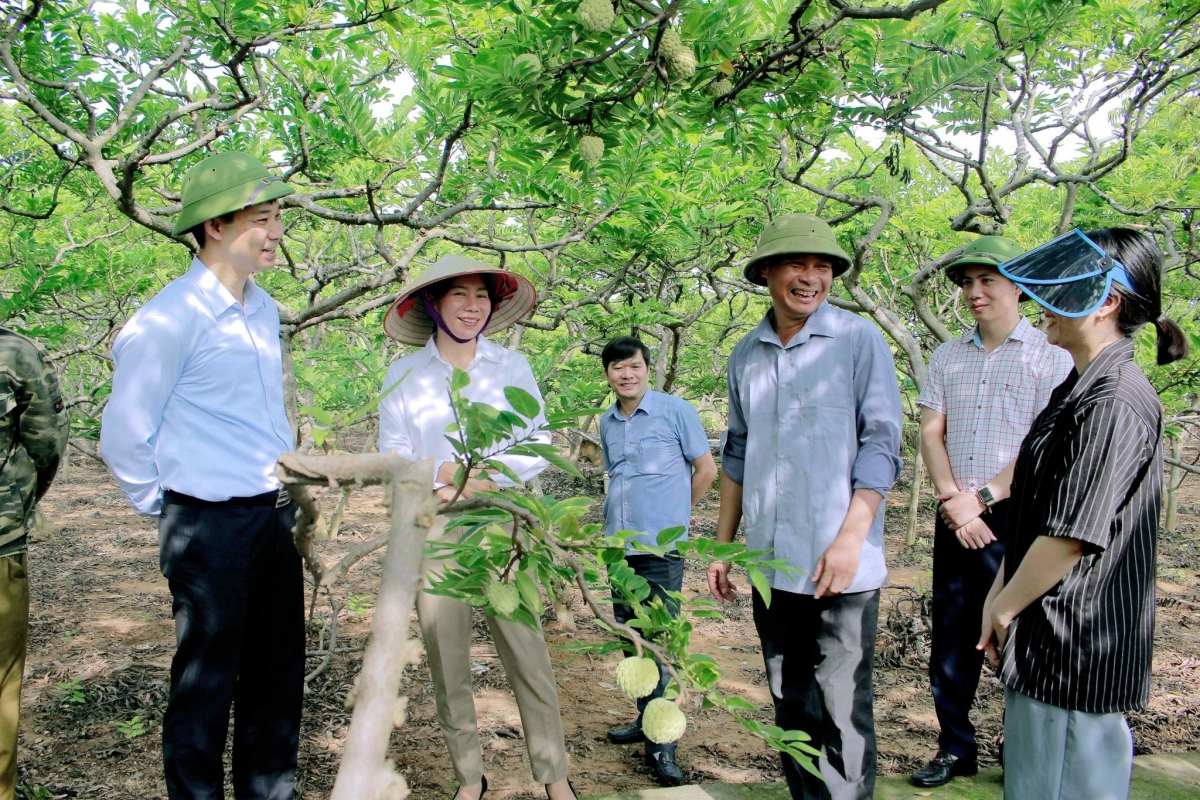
{"type": "Point", "coordinates": [630, 734]}
{"type": "Point", "coordinates": [942, 768]}
{"type": "Point", "coordinates": [666, 771]}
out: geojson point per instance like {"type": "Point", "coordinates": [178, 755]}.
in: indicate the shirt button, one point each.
{"type": "Point", "coordinates": [985, 383]}
{"type": "Point", "coordinates": [970, 458]}
{"type": "Point", "coordinates": [979, 406]}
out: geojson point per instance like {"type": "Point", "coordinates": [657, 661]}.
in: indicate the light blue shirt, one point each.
{"type": "Point", "coordinates": [649, 459]}
{"type": "Point", "coordinates": [809, 424]}
{"type": "Point", "coordinates": [197, 395]}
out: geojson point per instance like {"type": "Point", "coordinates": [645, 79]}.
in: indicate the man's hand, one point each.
{"type": "Point", "coordinates": [837, 566]}
{"type": "Point", "coordinates": [719, 584]}
{"type": "Point", "coordinates": [975, 535]}
{"type": "Point", "coordinates": [959, 508]}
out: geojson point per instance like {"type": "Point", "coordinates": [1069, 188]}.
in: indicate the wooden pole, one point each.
{"type": "Point", "coordinates": [1174, 481]}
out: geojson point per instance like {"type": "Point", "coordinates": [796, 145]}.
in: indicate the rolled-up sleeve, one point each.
{"type": "Point", "coordinates": [880, 419]}
{"type": "Point", "coordinates": [149, 355]}
{"type": "Point", "coordinates": [733, 454]}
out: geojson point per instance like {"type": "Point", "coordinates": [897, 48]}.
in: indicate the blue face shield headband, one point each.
{"type": "Point", "coordinates": [1070, 275]}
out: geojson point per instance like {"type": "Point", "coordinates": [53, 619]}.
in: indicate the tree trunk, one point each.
{"type": "Point", "coordinates": [914, 498]}
{"type": "Point", "coordinates": [365, 773]}
{"type": "Point", "coordinates": [291, 395]}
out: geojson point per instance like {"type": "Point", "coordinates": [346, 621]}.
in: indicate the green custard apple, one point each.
{"type": "Point", "coordinates": [591, 149]}
{"type": "Point", "coordinates": [503, 598]}
{"type": "Point", "coordinates": [637, 677]}
{"type": "Point", "coordinates": [663, 722]}
{"type": "Point", "coordinates": [596, 15]}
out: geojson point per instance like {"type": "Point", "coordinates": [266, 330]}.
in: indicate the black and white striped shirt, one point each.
{"type": "Point", "coordinates": [1090, 469]}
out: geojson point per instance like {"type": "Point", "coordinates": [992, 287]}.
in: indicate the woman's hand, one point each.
{"type": "Point", "coordinates": [987, 638]}
{"type": "Point", "coordinates": [473, 487]}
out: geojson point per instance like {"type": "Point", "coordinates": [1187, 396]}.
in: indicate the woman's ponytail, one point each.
{"type": "Point", "coordinates": [1172, 341]}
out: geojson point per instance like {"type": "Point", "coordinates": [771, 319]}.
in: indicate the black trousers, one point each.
{"type": "Point", "coordinates": [819, 656]}
{"type": "Point", "coordinates": [664, 574]}
{"type": "Point", "coordinates": [961, 580]}
{"type": "Point", "coordinates": [238, 602]}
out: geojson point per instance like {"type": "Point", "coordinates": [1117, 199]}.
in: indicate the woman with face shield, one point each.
{"type": "Point", "coordinates": [1070, 618]}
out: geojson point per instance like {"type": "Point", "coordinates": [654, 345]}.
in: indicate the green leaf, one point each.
{"type": "Point", "coordinates": [669, 535]}
{"type": "Point", "coordinates": [760, 583]}
{"type": "Point", "coordinates": [529, 592]}
{"type": "Point", "coordinates": [503, 469]}
{"type": "Point", "coordinates": [459, 380]}
{"type": "Point", "coordinates": [522, 402]}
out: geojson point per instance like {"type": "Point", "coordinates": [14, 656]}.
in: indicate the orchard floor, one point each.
{"type": "Point", "coordinates": [1155, 777]}
{"type": "Point", "coordinates": [101, 640]}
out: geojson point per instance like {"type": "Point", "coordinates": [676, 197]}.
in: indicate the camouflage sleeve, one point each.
{"type": "Point", "coordinates": [44, 422]}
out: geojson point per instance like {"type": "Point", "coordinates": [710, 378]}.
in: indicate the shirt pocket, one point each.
{"type": "Point", "coordinates": [658, 455]}
{"type": "Point", "coordinates": [1018, 401]}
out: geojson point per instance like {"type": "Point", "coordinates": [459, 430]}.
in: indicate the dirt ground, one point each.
{"type": "Point", "coordinates": [101, 640]}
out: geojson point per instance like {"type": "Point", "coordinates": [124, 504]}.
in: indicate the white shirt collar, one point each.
{"type": "Point", "coordinates": [483, 349]}
{"type": "Point", "coordinates": [218, 297]}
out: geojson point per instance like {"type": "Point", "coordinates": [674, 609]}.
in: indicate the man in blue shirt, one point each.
{"type": "Point", "coordinates": [812, 449]}
{"type": "Point", "coordinates": [659, 466]}
{"type": "Point", "coordinates": [191, 432]}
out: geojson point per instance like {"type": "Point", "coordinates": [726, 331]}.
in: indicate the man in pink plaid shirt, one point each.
{"type": "Point", "coordinates": [982, 394]}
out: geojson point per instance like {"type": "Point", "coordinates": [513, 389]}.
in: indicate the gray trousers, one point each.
{"type": "Point", "coordinates": [446, 629]}
{"type": "Point", "coordinates": [1051, 753]}
{"type": "Point", "coordinates": [819, 655]}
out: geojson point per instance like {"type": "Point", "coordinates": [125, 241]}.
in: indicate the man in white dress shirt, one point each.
{"type": "Point", "coordinates": [191, 432]}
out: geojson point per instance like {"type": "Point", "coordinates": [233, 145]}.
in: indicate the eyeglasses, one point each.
{"type": "Point", "coordinates": [1071, 275]}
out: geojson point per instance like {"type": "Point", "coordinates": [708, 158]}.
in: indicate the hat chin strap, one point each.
{"type": "Point", "coordinates": [441, 324]}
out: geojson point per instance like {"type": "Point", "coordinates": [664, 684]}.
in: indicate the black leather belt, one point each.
{"type": "Point", "coordinates": [276, 499]}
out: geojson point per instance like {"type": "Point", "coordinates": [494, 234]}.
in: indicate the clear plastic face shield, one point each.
{"type": "Point", "coordinates": [1070, 276]}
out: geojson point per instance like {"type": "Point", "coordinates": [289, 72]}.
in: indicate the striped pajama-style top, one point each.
{"type": "Point", "coordinates": [1090, 469]}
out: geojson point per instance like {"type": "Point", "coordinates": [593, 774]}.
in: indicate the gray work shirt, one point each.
{"type": "Point", "coordinates": [809, 423]}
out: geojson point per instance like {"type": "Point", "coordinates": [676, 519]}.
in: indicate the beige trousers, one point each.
{"type": "Point", "coordinates": [446, 629]}
{"type": "Point", "coordinates": [14, 632]}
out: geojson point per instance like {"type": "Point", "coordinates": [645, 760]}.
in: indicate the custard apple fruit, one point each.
{"type": "Point", "coordinates": [503, 598]}
{"type": "Point", "coordinates": [671, 44]}
{"type": "Point", "coordinates": [637, 677]}
{"type": "Point", "coordinates": [721, 86]}
{"type": "Point", "coordinates": [662, 721]}
{"type": "Point", "coordinates": [596, 15]}
{"type": "Point", "coordinates": [529, 63]}
{"type": "Point", "coordinates": [591, 149]}
{"type": "Point", "coordinates": [681, 65]}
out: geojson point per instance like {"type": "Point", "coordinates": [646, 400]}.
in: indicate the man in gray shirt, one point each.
{"type": "Point", "coordinates": [812, 448]}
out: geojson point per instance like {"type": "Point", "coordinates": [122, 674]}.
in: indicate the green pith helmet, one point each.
{"type": "Point", "coordinates": [225, 183]}
{"type": "Point", "coordinates": [795, 234]}
{"type": "Point", "coordinates": [986, 251]}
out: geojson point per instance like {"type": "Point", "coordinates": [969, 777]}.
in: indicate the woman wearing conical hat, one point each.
{"type": "Point", "coordinates": [448, 310]}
